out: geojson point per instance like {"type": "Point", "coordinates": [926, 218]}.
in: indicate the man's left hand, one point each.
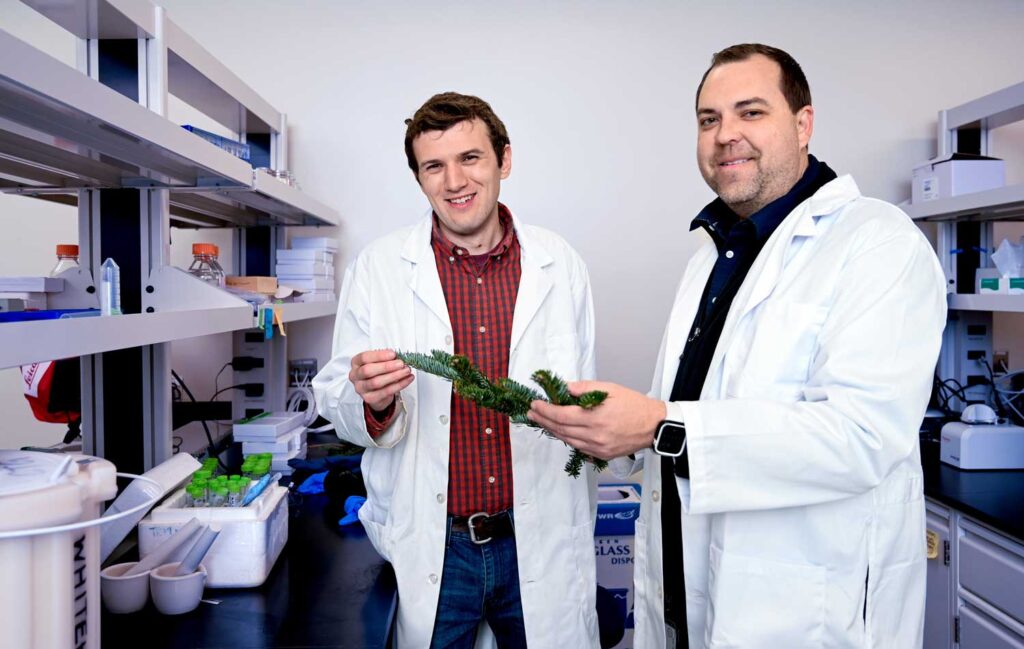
{"type": "Point", "coordinates": [623, 424]}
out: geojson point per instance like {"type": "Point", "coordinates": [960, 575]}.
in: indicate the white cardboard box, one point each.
{"type": "Point", "coordinates": [294, 255]}
{"type": "Point", "coordinates": [283, 444]}
{"type": "Point", "coordinates": [618, 506]}
{"type": "Point", "coordinates": [316, 243]}
{"type": "Point", "coordinates": [956, 175]}
{"type": "Point", "coordinates": [304, 268]}
{"type": "Point", "coordinates": [250, 540]}
{"type": "Point", "coordinates": [266, 427]}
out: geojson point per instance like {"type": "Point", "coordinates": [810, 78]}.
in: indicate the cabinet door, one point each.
{"type": "Point", "coordinates": [938, 613]}
{"type": "Point", "coordinates": [981, 629]}
{"type": "Point", "coordinates": [991, 566]}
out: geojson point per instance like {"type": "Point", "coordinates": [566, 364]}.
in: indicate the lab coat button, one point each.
{"type": "Point", "coordinates": [440, 498]}
{"type": "Point", "coordinates": [660, 593]}
{"type": "Point", "coordinates": [447, 340]}
{"type": "Point", "coordinates": [655, 495]}
{"type": "Point", "coordinates": [433, 580]}
{"type": "Point", "coordinates": [443, 419]}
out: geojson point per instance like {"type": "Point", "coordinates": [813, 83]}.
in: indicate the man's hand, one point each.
{"type": "Point", "coordinates": [623, 424]}
{"type": "Point", "coordinates": [378, 376]}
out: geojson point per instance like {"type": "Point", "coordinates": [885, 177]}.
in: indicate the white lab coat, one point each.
{"type": "Point", "coordinates": [392, 298]}
{"type": "Point", "coordinates": [803, 518]}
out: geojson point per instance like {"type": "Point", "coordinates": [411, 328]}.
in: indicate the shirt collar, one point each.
{"type": "Point", "coordinates": [717, 218]}
{"type": "Point", "coordinates": [508, 235]}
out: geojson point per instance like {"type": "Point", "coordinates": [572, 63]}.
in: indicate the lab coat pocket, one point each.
{"type": "Point", "coordinates": [563, 356]}
{"type": "Point", "coordinates": [377, 533]}
{"type": "Point", "coordinates": [586, 568]}
{"type": "Point", "coordinates": [897, 595]}
{"type": "Point", "coordinates": [784, 341]}
{"type": "Point", "coordinates": [757, 603]}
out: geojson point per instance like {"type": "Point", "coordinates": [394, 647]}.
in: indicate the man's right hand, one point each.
{"type": "Point", "coordinates": [378, 376]}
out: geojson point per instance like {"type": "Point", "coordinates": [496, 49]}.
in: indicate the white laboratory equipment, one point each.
{"type": "Point", "coordinates": [981, 441]}
{"type": "Point", "coordinates": [51, 590]}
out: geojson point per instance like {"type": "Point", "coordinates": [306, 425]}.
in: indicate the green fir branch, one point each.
{"type": "Point", "coordinates": [507, 396]}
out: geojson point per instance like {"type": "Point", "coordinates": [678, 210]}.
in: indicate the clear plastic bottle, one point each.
{"type": "Point", "coordinates": [199, 496]}
{"type": "Point", "coordinates": [204, 264]}
{"type": "Point", "coordinates": [67, 258]}
{"type": "Point", "coordinates": [234, 494]}
{"type": "Point", "coordinates": [110, 288]}
{"type": "Point", "coordinates": [222, 277]}
{"type": "Point", "coordinates": [219, 496]}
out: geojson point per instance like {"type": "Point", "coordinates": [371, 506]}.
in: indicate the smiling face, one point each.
{"type": "Point", "coordinates": [751, 147]}
{"type": "Point", "coordinates": [461, 176]}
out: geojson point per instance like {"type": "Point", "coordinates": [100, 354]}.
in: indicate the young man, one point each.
{"type": "Point", "coordinates": [477, 517]}
{"type": "Point", "coordinates": [783, 502]}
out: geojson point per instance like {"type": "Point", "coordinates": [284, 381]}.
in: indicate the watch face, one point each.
{"type": "Point", "coordinates": [671, 439]}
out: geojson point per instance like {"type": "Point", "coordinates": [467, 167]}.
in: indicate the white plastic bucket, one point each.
{"type": "Point", "coordinates": [49, 547]}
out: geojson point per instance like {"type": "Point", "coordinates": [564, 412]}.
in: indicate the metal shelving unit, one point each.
{"type": "Point", "coordinates": [965, 237]}
{"type": "Point", "coordinates": [96, 136]}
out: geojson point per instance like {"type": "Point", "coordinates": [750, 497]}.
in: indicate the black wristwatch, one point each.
{"type": "Point", "coordinates": [670, 438]}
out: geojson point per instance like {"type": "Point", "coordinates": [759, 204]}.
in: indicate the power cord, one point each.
{"type": "Point", "coordinates": [302, 393]}
{"type": "Point", "coordinates": [211, 449]}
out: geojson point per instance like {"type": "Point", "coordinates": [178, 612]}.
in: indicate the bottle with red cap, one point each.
{"type": "Point", "coordinates": [67, 258]}
{"type": "Point", "coordinates": [204, 264]}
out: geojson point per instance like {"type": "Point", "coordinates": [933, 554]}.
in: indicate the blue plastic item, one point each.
{"type": "Point", "coordinates": [47, 314]}
{"type": "Point", "coordinates": [257, 489]}
{"type": "Point", "coordinates": [314, 484]}
{"type": "Point", "coordinates": [352, 505]}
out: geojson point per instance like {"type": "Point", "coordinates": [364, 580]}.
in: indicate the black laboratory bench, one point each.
{"type": "Point", "coordinates": [328, 589]}
{"type": "Point", "coordinates": [995, 498]}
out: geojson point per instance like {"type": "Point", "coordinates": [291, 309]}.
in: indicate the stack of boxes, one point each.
{"type": "Point", "coordinates": [308, 266]}
{"type": "Point", "coordinates": [282, 434]}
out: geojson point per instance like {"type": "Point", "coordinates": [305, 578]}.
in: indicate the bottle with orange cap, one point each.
{"type": "Point", "coordinates": [215, 263]}
{"type": "Point", "coordinates": [204, 264]}
{"type": "Point", "coordinates": [67, 258]}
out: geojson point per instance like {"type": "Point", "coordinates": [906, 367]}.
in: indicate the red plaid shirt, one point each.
{"type": "Point", "coordinates": [481, 295]}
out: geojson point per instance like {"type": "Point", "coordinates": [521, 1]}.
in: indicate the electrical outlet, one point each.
{"type": "Point", "coordinates": [1001, 362]}
{"type": "Point", "coordinates": [301, 371]}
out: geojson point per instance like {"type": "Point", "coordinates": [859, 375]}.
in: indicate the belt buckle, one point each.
{"type": "Point", "coordinates": [472, 530]}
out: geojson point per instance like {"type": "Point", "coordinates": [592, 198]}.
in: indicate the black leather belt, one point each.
{"type": "Point", "coordinates": [483, 527]}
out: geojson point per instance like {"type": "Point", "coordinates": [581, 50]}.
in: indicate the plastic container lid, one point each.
{"type": "Point", "coordinates": [44, 489]}
{"type": "Point", "coordinates": [204, 249]}
{"type": "Point", "coordinates": [221, 491]}
{"type": "Point", "coordinates": [67, 249]}
{"type": "Point", "coordinates": [234, 487]}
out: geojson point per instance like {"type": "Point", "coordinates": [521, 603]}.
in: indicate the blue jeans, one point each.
{"type": "Point", "coordinates": [479, 582]}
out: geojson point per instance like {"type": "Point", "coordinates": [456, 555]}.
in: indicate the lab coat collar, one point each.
{"type": "Point", "coordinates": [804, 221]}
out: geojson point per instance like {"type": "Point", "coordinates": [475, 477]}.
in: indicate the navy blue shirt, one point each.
{"type": "Point", "coordinates": [739, 241]}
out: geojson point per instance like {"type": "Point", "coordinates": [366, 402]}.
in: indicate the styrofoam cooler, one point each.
{"type": "Point", "coordinates": [251, 538]}
{"type": "Point", "coordinates": [618, 506]}
{"type": "Point", "coordinates": [51, 591]}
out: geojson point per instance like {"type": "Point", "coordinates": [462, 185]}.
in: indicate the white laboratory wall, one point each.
{"type": "Point", "coordinates": [598, 100]}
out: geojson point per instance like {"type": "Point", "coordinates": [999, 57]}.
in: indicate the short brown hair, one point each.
{"type": "Point", "coordinates": [445, 110]}
{"type": "Point", "coordinates": [792, 81]}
